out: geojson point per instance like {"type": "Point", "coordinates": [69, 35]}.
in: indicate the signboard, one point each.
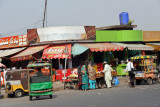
{"type": "Point", "coordinates": [61, 33]}
{"type": "Point", "coordinates": [59, 51]}
{"type": "Point", "coordinates": [151, 36]}
{"type": "Point", "coordinates": [13, 41]}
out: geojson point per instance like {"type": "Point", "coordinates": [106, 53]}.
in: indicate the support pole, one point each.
{"type": "Point", "coordinates": [65, 70]}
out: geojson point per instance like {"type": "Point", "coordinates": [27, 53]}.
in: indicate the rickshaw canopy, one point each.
{"type": "Point", "coordinates": [39, 64]}
{"type": "Point", "coordinates": [143, 57]}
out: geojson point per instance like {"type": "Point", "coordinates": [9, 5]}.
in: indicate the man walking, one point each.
{"type": "Point", "coordinates": [131, 74]}
{"type": "Point", "coordinates": [107, 72]}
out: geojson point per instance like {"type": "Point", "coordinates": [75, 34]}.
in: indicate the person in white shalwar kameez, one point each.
{"type": "Point", "coordinates": [107, 72]}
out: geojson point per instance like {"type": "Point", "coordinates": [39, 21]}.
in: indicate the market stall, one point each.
{"type": "Point", "coordinates": [80, 48]}
{"type": "Point", "coordinates": [137, 48]}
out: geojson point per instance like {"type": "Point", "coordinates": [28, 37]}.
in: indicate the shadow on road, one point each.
{"type": "Point", "coordinates": [44, 97]}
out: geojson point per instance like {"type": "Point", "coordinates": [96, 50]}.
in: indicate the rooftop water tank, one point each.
{"type": "Point", "coordinates": [124, 18]}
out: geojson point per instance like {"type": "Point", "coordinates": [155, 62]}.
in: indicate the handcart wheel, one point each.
{"type": "Point", "coordinates": [67, 85]}
{"type": "Point", "coordinates": [75, 86]}
{"type": "Point", "coordinates": [149, 81]}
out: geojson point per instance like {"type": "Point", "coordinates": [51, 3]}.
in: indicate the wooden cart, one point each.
{"type": "Point", "coordinates": [100, 79]}
{"type": "Point", "coordinates": [72, 83]}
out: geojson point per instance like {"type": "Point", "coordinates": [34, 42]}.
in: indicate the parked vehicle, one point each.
{"type": "Point", "coordinates": [40, 80]}
{"type": "Point", "coordinates": [146, 69]}
{"type": "Point", "coordinates": [17, 82]}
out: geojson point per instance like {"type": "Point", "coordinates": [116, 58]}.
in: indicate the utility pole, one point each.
{"type": "Point", "coordinates": [45, 10]}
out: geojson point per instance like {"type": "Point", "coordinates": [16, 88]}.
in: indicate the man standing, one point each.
{"type": "Point", "coordinates": [107, 72]}
{"type": "Point", "coordinates": [131, 74]}
{"type": "Point", "coordinates": [4, 73]}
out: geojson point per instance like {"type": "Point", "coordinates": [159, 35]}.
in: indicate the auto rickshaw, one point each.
{"type": "Point", "coordinates": [17, 82]}
{"type": "Point", "coordinates": [40, 80]}
{"type": "Point", "coordinates": [146, 69]}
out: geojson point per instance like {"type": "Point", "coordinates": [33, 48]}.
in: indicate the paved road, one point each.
{"type": "Point", "coordinates": [140, 96]}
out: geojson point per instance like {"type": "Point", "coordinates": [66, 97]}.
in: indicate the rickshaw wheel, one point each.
{"type": "Point", "coordinates": [18, 93]}
{"type": "Point", "coordinates": [50, 96]}
{"type": "Point", "coordinates": [30, 98]}
{"type": "Point", "coordinates": [37, 97]}
{"type": "Point", "coordinates": [149, 81]}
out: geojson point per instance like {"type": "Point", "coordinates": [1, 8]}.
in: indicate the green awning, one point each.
{"type": "Point", "coordinates": [78, 49]}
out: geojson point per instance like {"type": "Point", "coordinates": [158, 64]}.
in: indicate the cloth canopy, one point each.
{"type": "Point", "coordinates": [27, 54]}
{"type": "Point", "coordinates": [78, 49]}
{"type": "Point", "coordinates": [135, 46]}
{"type": "Point", "coordinates": [102, 47]}
{"type": "Point", "coordinates": [8, 52]}
{"type": "Point", "coordinates": [95, 47]}
{"type": "Point", "coordinates": [156, 46]}
{"type": "Point", "coordinates": [57, 51]}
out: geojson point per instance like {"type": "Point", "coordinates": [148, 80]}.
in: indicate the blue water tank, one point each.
{"type": "Point", "coordinates": [124, 18]}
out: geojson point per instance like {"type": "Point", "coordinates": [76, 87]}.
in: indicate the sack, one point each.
{"type": "Point", "coordinates": [116, 81]}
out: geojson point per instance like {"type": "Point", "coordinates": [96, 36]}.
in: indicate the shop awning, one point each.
{"type": "Point", "coordinates": [156, 46]}
{"type": "Point", "coordinates": [27, 54]}
{"type": "Point", "coordinates": [58, 51]}
{"type": "Point", "coordinates": [135, 46]}
{"type": "Point", "coordinates": [102, 47]}
{"type": "Point", "coordinates": [8, 52]}
{"type": "Point", "coordinates": [78, 49]}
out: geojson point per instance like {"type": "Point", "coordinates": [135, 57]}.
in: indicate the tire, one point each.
{"type": "Point", "coordinates": [37, 97]}
{"type": "Point", "coordinates": [149, 81]}
{"type": "Point", "coordinates": [30, 98]}
{"type": "Point", "coordinates": [138, 82]}
{"type": "Point", "coordinates": [18, 93]}
{"type": "Point", "coordinates": [50, 96]}
{"type": "Point", "coordinates": [8, 85]}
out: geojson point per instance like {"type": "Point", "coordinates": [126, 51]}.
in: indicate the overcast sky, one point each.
{"type": "Point", "coordinates": [16, 16]}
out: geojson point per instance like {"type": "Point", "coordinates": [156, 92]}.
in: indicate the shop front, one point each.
{"type": "Point", "coordinates": [60, 55]}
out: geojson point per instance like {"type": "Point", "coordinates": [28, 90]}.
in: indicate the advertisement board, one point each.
{"type": "Point", "coordinates": [13, 41]}
{"type": "Point", "coordinates": [61, 33]}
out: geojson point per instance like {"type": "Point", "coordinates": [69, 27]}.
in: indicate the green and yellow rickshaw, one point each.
{"type": "Point", "coordinates": [40, 80]}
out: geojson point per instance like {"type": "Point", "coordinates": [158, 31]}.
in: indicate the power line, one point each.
{"type": "Point", "coordinates": [22, 28]}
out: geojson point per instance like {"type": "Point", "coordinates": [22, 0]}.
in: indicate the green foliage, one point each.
{"type": "Point", "coordinates": [130, 22]}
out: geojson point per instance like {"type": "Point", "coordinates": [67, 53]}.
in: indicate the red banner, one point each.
{"type": "Point", "coordinates": [59, 51]}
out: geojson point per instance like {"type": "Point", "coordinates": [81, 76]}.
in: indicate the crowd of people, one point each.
{"type": "Point", "coordinates": [87, 76]}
